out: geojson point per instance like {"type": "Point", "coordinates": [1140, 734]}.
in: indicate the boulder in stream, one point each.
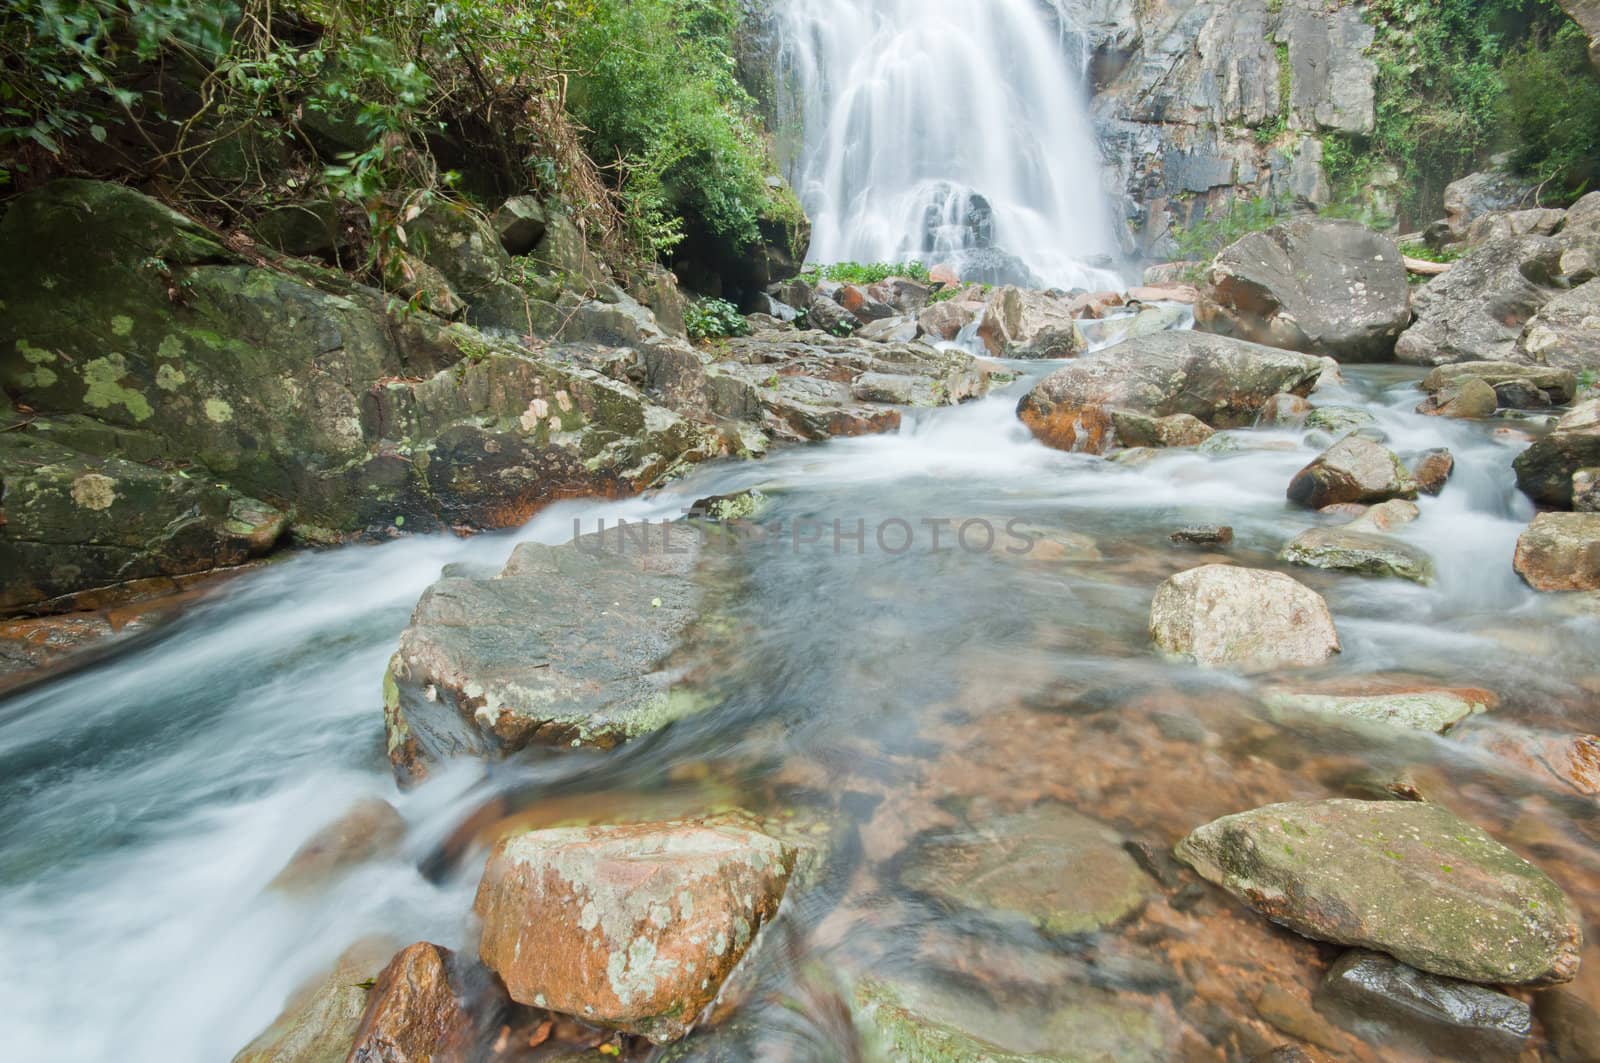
{"type": "Point", "coordinates": [1311, 284]}
{"type": "Point", "coordinates": [1560, 552]}
{"type": "Point", "coordinates": [369, 830]}
{"type": "Point", "coordinates": [1545, 470]}
{"type": "Point", "coordinates": [319, 1022]}
{"type": "Point", "coordinates": [1406, 878]}
{"type": "Point", "coordinates": [630, 927]}
{"type": "Point", "coordinates": [1423, 709]}
{"type": "Point", "coordinates": [1565, 333]}
{"type": "Point", "coordinates": [417, 1011]}
{"type": "Point", "coordinates": [1354, 469]}
{"type": "Point", "coordinates": [1221, 381]}
{"type": "Point", "coordinates": [1021, 323]}
{"type": "Point", "coordinates": [1223, 616]}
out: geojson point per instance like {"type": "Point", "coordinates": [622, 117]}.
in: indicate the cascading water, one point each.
{"type": "Point", "coordinates": [947, 131]}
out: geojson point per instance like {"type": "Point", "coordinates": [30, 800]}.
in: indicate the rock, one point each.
{"type": "Point", "coordinates": [1203, 535]}
{"type": "Point", "coordinates": [1521, 395]}
{"type": "Point", "coordinates": [1223, 382]}
{"type": "Point", "coordinates": [825, 314]}
{"type": "Point", "coordinates": [1094, 304]}
{"type": "Point", "coordinates": [564, 647]}
{"type": "Point", "coordinates": [1166, 292]}
{"type": "Point", "coordinates": [895, 329]}
{"type": "Point", "coordinates": [1560, 552]}
{"type": "Point", "coordinates": [1559, 385]}
{"type": "Point", "coordinates": [1535, 221]}
{"type": "Point", "coordinates": [656, 289]}
{"type": "Point", "coordinates": [1292, 1014]}
{"type": "Point", "coordinates": [1401, 877]}
{"type": "Point", "coordinates": [520, 224]}
{"type": "Point", "coordinates": [1148, 320]}
{"type": "Point", "coordinates": [1247, 619]}
{"type": "Point", "coordinates": [1048, 867]}
{"type": "Point", "coordinates": [1565, 333]}
{"type": "Point", "coordinates": [1431, 469]}
{"type": "Point", "coordinates": [301, 229]}
{"type": "Point", "coordinates": [1586, 491]}
{"type": "Point", "coordinates": [1470, 398]}
{"type": "Point", "coordinates": [1324, 287]}
{"type": "Point", "coordinates": [1477, 311]}
{"type": "Point", "coordinates": [741, 505]}
{"type": "Point", "coordinates": [319, 1022]}
{"type": "Point", "coordinates": [921, 1022]}
{"type": "Point", "coordinates": [1546, 469]}
{"type": "Point", "coordinates": [1570, 1024]}
{"type": "Point", "coordinates": [1471, 197]}
{"type": "Point", "coordinates": [1435, 710]}
{"type": "Point", "coordinates": [862, 307]}
{"type": "Point", "coordinates": [1388, 1003]}
{"type": "Point", "coordinates": [370, 830]}
{"type": "Point", "coordinates": [630, 927]}
{"type": "Point", "coordinates": [1352, 470]}
{"type": "Point", "coordinates": [414, 1014]}
{"type": "Point", "coordinates": [1339, 421]}
{"type": "Point", "coordinates": [903, 294]}
{"type": "Point", "coordinates": [1385, 516]}
{"type": "Point", "coordinates": [461, 244]}
{"type": "Point", "coordinates": [1019, 323]}
{"type": "Point", "coordinates": [1353, 549]}
{"type": "Point", "coordinates": [942, 321]}
{"type": "Point", "coordinates": [1283, 411]}
{"type": "Point", "coordinates": [1177, 430]}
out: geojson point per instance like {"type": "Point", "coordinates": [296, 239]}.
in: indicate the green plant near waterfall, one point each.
{"type": "Point", "coordinates": [710, 318]}
{"type": "Point", "coordinates": [865, 272]}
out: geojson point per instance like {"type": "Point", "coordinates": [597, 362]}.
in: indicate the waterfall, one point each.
{"type": "Point", "coordinates": [947, 131]}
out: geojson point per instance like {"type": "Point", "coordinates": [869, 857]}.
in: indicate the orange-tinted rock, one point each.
{"type": "Point", "coordinates": [1355, 469]}
{"type": "Point", "coordinates": [371, 829]}
{"type": "Point", "coordinates": [413, 1012]}
{"type": "Point", "coordinates": [1163, 293]}
{"type": "Point", "coordinates": [863, 306]}
{"type": "Point", "coordinates": [1432, 469]}
{"type": "Point", "coordinates": [1093, 304]}
{"type": "Point", "coordinates": [1560, 552]}
{"type": "Point", "coordinates": [1283, 410]}
{"type": "Point", "coordinates": [632, 927]}
{"type": "Point", "coordinates": [945, 274]}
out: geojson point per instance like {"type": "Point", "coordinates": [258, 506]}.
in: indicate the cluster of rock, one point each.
{"type": "Point", "coordinates": [177, 401]}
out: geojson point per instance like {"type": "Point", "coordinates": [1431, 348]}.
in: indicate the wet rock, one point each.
{"type": "Point", "coordinates": [1150, 320]}
{"type": "Point", "coordinates": [1283, 411]}
{"type": "Point", "coordinates": [1470, 398]}
{"type": "Point", "coordinates": [1560, 552]}
{"type": "Point", "coordinates": [519, 222]}
{"type": "Point", "coordinates": [1020, 323]}
{"type": "Point", "coordinates": [1570, 1024]}
{"type": "Point", "coordinates": [1289, 1013]}
{"type": "Point", "coordinates": [1545, 470]}
{"type": "Point", "coordinates": [1324, 287]}
{"type": "Point", "coordinates": [1177, 430]}
{"type": "Point", "coordinates": [1383, 517]}
{"type": "Point", "coordinates": [370, 830]}
{"type": "Point", "coordinates": [1431, 469]}
{"type": "Point", "coordinates": [825, 314]}
{"type": "Point", "coordinates": [632, 927]}
{"type": "Point", "coordinates": [1435, 710]}
{"type": "Point", "coordinates": [1339, 421]}
{"type": "Point", "coordinates": [741, 505]}
{"type": "Point", "coordinates": [922, 1022]}
{"type": "Point", "coordinates": [1094, 304]}
{"type": "Point", "coordinates": [1388, 1003]}
{"type": "Point", "coordinates": [319, 1022]}
{"type": "Point", "coordinates": [1048, 866]}
{"type": "Point", "coordinates": [1247, 619]}
{"type": "Point", "coordinates": [1354, 549]}
{"type": "Point", "coordinates": [1477, 310]}
{"type": "Point", "coordinates": [564, 647]}
{"type": "Point", "coordinates": [1352, 470]}
{"type": "Point", "coordinates": [1203, 535]}
{"type": "Point", "coordinates": [1222, 381]}
{"type": "Point", "coordinates": [1565, 333]}
{"type": "Point", "coordinates": [1559, 385]}
{"type": "Point", "coordinates": [414, 1013]}
{"type": "Point", "coordinates": [1405, 878]}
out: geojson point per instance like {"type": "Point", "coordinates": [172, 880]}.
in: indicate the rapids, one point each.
{"type": "Point", "coordinates": [149, 798]}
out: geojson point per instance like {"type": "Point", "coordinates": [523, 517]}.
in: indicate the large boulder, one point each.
{"type": "Point", "coordinates": [1324, 287]}
{"type": "Point", "coordinates": [1219, 380]}
{"type": "Point", "coordinates": [1355, 469]}
{"type": "Point", "coordinates": [1560, 552]}
{"type": "Point", "coordinates": [1222, 616]}
{"type": "Point", "coordinates": [1476, 311]}
{"type": "Point", "coordinates": [1021, 323]}
{"type": "Point", "coordinates": [1401, 877]}
{"type": "Point", "coordinates": [1469, 198]}
{"type": "Point", "coordinates": [564, 647]}
{"type": "Point", "coordinates": [1565, 332]}
{"type": "Point", "coordinates": [1559, 385]}
{"type": "Point", "coordinates": [1545, 470]}
{"type": "Point", "coordinates": [319, 1022]}
{"type": "Point", "coordinates": [630, 927]}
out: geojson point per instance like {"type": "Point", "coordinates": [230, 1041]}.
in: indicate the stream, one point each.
{"type": "Point", "coordinates": [884, 694]}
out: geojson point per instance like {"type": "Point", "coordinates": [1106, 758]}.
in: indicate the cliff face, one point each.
{"type": "Point", "coordinates": [1199, 101]}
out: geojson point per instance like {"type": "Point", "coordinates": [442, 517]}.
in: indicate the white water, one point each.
{"type": "Point", "coordinates": [909, 107]}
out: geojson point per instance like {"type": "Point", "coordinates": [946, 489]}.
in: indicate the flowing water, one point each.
{"type": "Point", "coordinates": [947, 131]}
{"type": "Point", "coordinates": [880, 695]}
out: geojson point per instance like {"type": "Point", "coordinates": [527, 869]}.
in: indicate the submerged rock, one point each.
{"type": "Point", "coordinates": [1221, 381]}
{"type": "Point", "coordinates": [1243, 618]}
{"type": "Point", "coordinates": [1405, 878]}
{"type": "Point", "coordinates": [319, 1022]}
{"type": "Point", "coordinates": [1560, 552]}
{"type": "Point", "coordinates": [564, 647]}
{"type": "Point", "coordinates": [1434, 710]}
{"type": "Point", "coordinates": [1352, 470]}
{"type": "Point", "coordinates": [1203, 535]}
{"type": "Point", "coordinates": [1324, 287]}
{"type": "Point", "coordinates": [1545, 470]}
{"type": "Point", "coordinates": [370, 830]}
{"type": "Point", "coordinates": [1352, 548]}
{"type": "Point", "coordinates": [1388, 1003]}
{"type": "Point", "coordinates": [1049, 866]}
{"type": "Point", "coordinates": [632, 927]}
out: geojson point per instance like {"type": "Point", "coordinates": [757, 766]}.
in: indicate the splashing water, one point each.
{"type": "Point", "coordinates": [947, 131]}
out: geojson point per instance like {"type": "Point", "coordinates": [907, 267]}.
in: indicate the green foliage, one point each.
{"type": "Point", "coordinates": [714, 319]}
{"type": "Point", "coordinates": [1201, 239]}
{"type": "Point", "coordinates": [1552, 101]}
{"type": "Point", "coordinates": [865, 272]}
{"type": "Point", "coordinates": [1431, 254]}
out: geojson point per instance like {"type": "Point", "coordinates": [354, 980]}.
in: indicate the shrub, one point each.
{"type": "Point", "coordinates": [709, 319]}
{"type": "Point", "coordinates": [866, 273]}
{"type": "Point", "coordinates": [1552, 102]}
{"type": "Point", "coordinates": [1201, 239]}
